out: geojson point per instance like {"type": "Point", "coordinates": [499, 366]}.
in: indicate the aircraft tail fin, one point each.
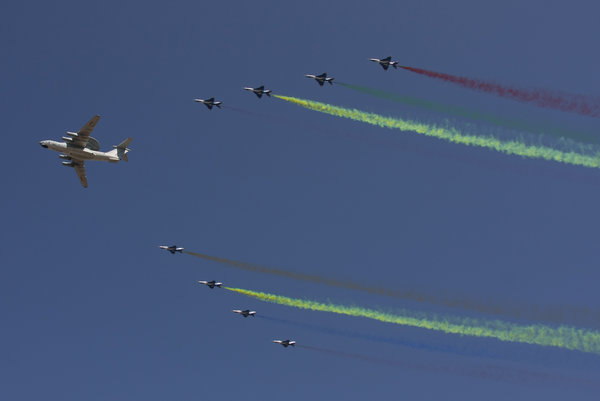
{"type": "Point", "coordinates": [330, 81]}
{"type": "Point", "coordinates": [218, 105]}
{"type": "Point", "coordinates": [121, 149]}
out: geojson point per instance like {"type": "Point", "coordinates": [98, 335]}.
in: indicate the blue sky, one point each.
{"type": "Point", "coordinates": [92, 310]}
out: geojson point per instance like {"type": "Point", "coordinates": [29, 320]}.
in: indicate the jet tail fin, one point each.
{"type": "Point", "coordinates": [124, 144]}
{"type": "Point", "coordinates": [121, 149]}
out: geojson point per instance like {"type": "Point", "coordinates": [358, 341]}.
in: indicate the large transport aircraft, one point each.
{"type": "Point", "coordinates": [80, 146]}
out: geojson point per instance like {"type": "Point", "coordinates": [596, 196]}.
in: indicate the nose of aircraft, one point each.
{"type": "Point", "coordinates": [43, 144]}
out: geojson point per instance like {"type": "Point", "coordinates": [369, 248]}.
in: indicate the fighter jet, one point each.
{"type": "Point", "coordinates": [260, 91]}
{"type": "Point", "coordinates": [209, 102]}
{"type": "Point", "coordinates": [80, 146]}
{"type": "Point", "coordinates": [285, 343]}
{"type": "Point", "coordinates": [385, 62]}
{"type": "Point", "coordinates": [211, 284]}
{"type": "Point", "coordinates": [321, 79]}
{"type": "Point", "coordinates": [245, 313]}
{"type": "Point", "coordinates": [172, 248]}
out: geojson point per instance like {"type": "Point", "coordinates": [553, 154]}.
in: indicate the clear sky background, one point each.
{"type": "Point", "coordinates": [92, 310]}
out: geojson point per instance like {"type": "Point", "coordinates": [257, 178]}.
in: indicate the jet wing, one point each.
{"type": "Point", "coordinates": [80, 170]}
{"type": "Point", "coordinates": [83, 135]}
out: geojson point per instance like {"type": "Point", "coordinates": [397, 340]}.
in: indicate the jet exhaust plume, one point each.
{"type": "Point", "coordinates": [474, 115]}
{"type": "Point", "coordinates": [565, 337]}
{"type": "Point", "coordinates": [581, 104]}
{"type": "Point", "coordinates": [509, 147]}
{"type": "Point", "coordinates": [555, 314]}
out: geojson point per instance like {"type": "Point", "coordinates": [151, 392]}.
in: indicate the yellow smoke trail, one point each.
{"type": "Point", "coordinates": [563, 337]}
{"type": "Point", "coordinates": [451, 134]}
{"type": "Point", "coordinates": [555, 314]}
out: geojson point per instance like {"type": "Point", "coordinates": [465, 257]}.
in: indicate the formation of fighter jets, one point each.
{"type": "Point", "coordinates": [259, 92]}
{"type": "Point", "coordinates": [321, 79]}
{"type": "Point", "coordinates": [213, 283]}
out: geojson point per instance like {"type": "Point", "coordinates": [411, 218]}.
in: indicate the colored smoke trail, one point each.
{"type": "Point", "coordinates": [563, 337]}
{"type": "Point", "coordinates": [361, 336]}
{"type": "Point", "coordinates": [581, 104]}
{"type": "Point", "coordinates": [451, 134]}
{"type": "Point", "coordinates": [474, 115]}
{"type": "Point", "coordinates": [470, 349]}
{"type": "Point", "coordinates": [397, 341]}
{"type": "Point", "coordinates": [556, 314]}
{"type": "Point", "coordinates": [490, 372]}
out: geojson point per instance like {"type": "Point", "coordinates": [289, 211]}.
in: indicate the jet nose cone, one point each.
{"type": "Point", "coordinates": [43, 144]}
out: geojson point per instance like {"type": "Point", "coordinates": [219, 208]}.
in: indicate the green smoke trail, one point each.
{"type": "Point", "coordinates": [451, 134]}
{"type": "Point", "coordinates": [473, 115]}
{"type": "Point", "coordinates": [555, 314]}
{"type": "Point", "coordinates": [563, 337]}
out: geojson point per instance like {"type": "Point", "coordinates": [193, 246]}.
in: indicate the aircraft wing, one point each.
{"type": "Point", "coordinates": [83, 135]}
{"type": "Point", "coordinates": [80, 170]}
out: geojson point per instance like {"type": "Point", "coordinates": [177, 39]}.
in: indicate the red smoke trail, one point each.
{"type": "Point", "coordinates": [581, 104]}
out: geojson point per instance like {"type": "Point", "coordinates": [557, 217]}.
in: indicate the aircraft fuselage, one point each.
{"type": "Point", "coordinates": [79, 153]}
